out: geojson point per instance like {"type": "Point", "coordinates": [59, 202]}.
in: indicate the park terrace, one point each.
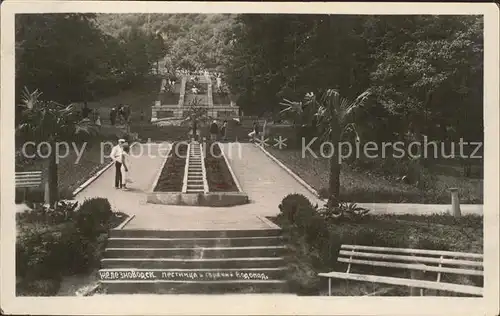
{"type": "Point", "coordinates": [182, 90]}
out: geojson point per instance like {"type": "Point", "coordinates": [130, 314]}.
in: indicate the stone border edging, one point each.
{"type": "Point", "coordinates": [125, 222]}
{"type": "Point", "coordinates": [158, 174]}
{"type": "Point", "coordinates": [91, 179]}
{"type": "Point", "coordinates": [268, 222]}
{"type": "Point", "coordinates": [290, 172]}
{"type": "Point", "coordinates": [204, 170]}
{"type": "Point", "coordinates": [230, 168]}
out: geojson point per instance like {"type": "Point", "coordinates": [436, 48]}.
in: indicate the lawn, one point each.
{"type": "Point", "coordinates": [139, 99]}
{"type": "Point", "coordinates": [73, 170]}
{"type": "Point", "coordinates": [366, 187]}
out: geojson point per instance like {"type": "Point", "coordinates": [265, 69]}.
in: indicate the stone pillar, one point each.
{"type": "Point", "coordinates": [455, 203]}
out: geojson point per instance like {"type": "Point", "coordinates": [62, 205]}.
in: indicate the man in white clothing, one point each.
{"type": "Point", "coordinates": [116, 155]}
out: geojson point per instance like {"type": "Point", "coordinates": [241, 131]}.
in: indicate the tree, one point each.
{"type": "Point", "coordinates": [333, 117]}
{"type": "Point", "coordinates": [51, 122]}
{"type": "Point", "coordinates": [430, 72]}
{"type": "Point", "coordinates": [195, 115]}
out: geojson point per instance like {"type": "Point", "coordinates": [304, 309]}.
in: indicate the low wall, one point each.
{"type": "Point", "coordinates": [209, 199]}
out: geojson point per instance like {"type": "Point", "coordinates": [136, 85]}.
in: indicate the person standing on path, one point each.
{"type": "Point", "coordinates": [214, 130]}
{"type": "Point", "coordinates": [98, 121]}
{"type": "Point", "coordinates": [223, 130]}
{"type": "Point", "coordinates": [117, 156]}
{"type": "Point", "coordinates": [125, 168]}
{"type": "Point", "coordinates": [86, 110]}
{"type": "Point", "coordinates": [254, 134]}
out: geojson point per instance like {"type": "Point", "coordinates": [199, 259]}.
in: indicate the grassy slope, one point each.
{"type": "Point", "coordinates": [364, 187]}
{"type": "Point", "coordinates": [73, 173]}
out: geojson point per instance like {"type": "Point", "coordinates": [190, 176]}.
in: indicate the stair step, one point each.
{"type": "Point", "coordinates": [195, 253]}
{"type": "Point", "coordinates": [213, 263]}
{"type": "Point", "coordinates": [194, 242]}
{"type": "Point", "coordinates": [249, 233]}
{"type": "Point", "coordinates": [194, 287]}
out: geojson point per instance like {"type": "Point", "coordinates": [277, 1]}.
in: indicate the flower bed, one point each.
{"type": "Point", "coordinates": [172, 175]}
{"type": "Point", "coordinates": [219, 177]}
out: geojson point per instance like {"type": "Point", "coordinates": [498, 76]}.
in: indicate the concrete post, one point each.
{"type": "Point", "coordinates": [455, 203]}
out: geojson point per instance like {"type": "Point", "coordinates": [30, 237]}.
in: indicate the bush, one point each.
{"type": "Point", "coordinates": [37, 195]}
{"type": "Point", "coordinates": [65, 211]}
{"type": "Point", "coordinates": [93, 217]}
{"type": "Point", "coordinates": [291, 205]}
{"type": "Point", "coordinates": [53, 243]}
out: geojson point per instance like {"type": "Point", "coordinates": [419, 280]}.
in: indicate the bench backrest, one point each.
{"type": "Point", "coordinates": [413, 259]}
{"type": "Point", "coordinates": [29, 179]}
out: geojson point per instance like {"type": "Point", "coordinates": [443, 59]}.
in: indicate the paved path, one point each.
{"type": "Point", "coordinates": [261, 179]}
{"type": "Point", "coordinates": [150, 216]}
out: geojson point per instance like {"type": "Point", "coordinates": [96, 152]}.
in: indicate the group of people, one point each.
{"type": "Point", "coordinates": [215, 131]}
{"type": "Point", "coordinates": [122, 112]}
{"type": "Point", "coordinates": [254, 134]}
{"type": "Point", "coordinates": [120, 154]}
{"type": "Point", "coordinates": [86, 112]}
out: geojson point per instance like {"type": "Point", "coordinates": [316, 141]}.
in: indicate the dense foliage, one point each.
{"type": "Point", "coordinates": [70, 59]}
{"type": "Point", "coordinates": [423, 69]}
{"type": "Point", "coordinates": [52, 244]}
{"type": "Point", "coordinates": [193, 40]}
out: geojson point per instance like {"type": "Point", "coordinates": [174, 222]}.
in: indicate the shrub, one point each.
{"type": "Point", "coordinates": [93, 217]}
{"type": "Point", "coordinates": [291, 205]}
{"type": "Point", "coordinates": [37, 195]}
{"type": "Point", "coordinates": [65, 211]}
{"type": "Point", "coordinates": [54, 243]}
{"type": "Point", "coordinates": [48, 287]}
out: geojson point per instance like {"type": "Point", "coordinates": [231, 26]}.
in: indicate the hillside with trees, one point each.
{"type": "Point", "coordinates": [424, 71]}
{"type": "Point", "coordinates": [192, 40]}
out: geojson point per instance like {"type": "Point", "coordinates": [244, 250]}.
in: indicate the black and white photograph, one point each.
{"type": "Point", "coordinates": [291, 157]}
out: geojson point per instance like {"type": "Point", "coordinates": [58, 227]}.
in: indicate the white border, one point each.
{"type": "Point", "coordinates": [249, 304]}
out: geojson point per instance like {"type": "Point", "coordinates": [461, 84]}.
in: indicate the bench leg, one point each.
{"type": "Point", "coordinates": [329, 286]}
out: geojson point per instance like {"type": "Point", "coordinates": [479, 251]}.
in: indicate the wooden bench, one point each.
{"type": "Point", "coordinates": [27, 180]}
{"type": "Point", "coordinates": [417, 261]}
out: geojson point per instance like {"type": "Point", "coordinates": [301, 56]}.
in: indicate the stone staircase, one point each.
{"type": "Point", "coordinates": [195, 175]}
{"type": "Point", "coordinates": [195, 262]}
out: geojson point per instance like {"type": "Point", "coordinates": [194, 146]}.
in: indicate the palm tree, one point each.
{"type": "Point", "coordinates": [333, 116]}
{"type": "Point", "coordinates": [51, 122]}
